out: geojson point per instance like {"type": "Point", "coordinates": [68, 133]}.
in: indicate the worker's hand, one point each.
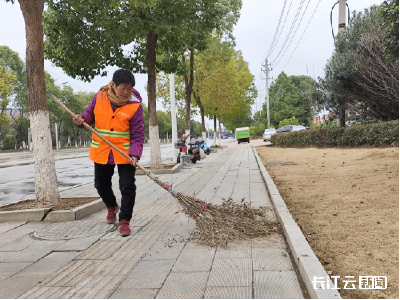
{"type": "Point", "coordinates": [133, 160]}
{"type": "Point", "coordinates": [78, 120]}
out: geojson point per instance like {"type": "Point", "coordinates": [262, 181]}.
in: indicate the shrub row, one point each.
{"type": "Point", "coordinates": [375, 134]}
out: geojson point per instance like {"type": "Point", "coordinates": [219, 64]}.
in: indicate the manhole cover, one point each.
{"type": "Point", "coordinates": [73, 230]}
{"type": "Point", "coordinates": [278, 162]}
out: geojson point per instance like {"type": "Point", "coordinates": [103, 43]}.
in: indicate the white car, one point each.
{"type": "Point", "coordinates": [268, 133]}
{"type": "Point", "coordinates": [298, 128]}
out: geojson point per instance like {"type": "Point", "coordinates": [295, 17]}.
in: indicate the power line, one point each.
{"type": "Point", "coordinates": [277, 28]}
{"type": "Point", "coordinates": [302, 34]}
{"type": "Point", "coordinates": [294, 34]}
{"type": "Point", "coordinates": [290, 30]}
{"type": "Point", "coordinates": [280, 33]}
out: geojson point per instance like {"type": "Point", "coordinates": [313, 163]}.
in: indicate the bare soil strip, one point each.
{"type": "Point", "coordinates": [65, 204]}
{"type": "Point", "coordinates": [346, 201]}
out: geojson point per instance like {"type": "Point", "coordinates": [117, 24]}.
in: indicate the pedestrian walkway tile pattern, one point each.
{"type": "Point", "coordinates": [160, 261]}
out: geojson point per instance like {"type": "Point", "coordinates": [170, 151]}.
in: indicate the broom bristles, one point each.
{"type": "Point", "coordinates": [218, 225]}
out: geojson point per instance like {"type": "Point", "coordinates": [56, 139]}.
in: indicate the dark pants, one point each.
{"type": "Point", "coordinates": [103, 184]}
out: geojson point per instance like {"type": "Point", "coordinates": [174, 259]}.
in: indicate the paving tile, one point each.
{"type": "Point", "coordinates": [51, 262]}
{"type": "Point", "coordinates": [276, 285]}
{"type": "Point", "coordinates": [271, 259]}
{"type": "Point", "coordinates": [34, 252]}
{"type": "Point", "coordinates": [215, 292]}
{"type": "Point", "coordinates": [93, 285]}
{"type": "Point", "coordinates": [165, 250]}
{"type": "Point", "coordinates": [134, 294]}
{"type": "Point", "coordinates": [148, 274]}
{"type": "Point", "coordinates": [9, 269]}
{"type": "Point", "coordinates": [72, 273]}
{"type": "Point", "coordinates": [7, 226]}
{"type": "Point", "coordinates": [18, 244]}
{"type": "Point", "coordinates": [181, 219]}
{"type": "Point", "coordinates": [20, 231]}
{"type": "Point", "coordinates": [194, 258]}
{"type": "Point", "coordinates": [259, 193]}
{"type": "Point", "coordinates": [231, 272]}
{"type": "Point", "coordinates": [180, 233]}
{"type": "Point", "coordinates": [103, 249]}
{"type": "Point", "coordinates": [273, 240]}
{"type": "Point", "coordinates": [79, 244]}
{"type": "Point", "coordinates": [28, 278]}
{"type": "Point", "coordinates": [184, 286]}
{"type": "Point", "coordinates": [238, 249]}
{"type": "Point", "coordinates": [5, 255]}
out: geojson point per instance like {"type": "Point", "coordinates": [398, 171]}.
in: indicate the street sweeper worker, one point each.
{"type": "Point", "coordinates": [117, 114]}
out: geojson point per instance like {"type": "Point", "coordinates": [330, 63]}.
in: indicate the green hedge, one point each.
{"type": "Point", "coordinates": [375, 134]}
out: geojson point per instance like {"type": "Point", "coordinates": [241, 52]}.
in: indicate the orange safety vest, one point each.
{"type": "Point", "coordinates": [114, 126]}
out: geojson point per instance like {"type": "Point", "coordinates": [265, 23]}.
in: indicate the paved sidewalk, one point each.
{"type": "Point", "coordinates": [157, 260]}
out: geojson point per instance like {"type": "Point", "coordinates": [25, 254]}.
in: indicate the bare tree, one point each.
{"type": "Point", "coordinates": [378, 79]}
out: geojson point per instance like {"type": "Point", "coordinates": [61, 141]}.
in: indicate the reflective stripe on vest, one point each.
{"type": "Point", "coordinates": [115, 127]}
{"type": "Point", "coordinates": [104, 132]}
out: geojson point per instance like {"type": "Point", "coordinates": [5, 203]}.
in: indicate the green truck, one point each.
{"type": "Point", "coordinates": [243, 134]}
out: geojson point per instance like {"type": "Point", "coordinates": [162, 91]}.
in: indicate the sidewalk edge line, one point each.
{"type": "Point", "coordinates": [305, 258]}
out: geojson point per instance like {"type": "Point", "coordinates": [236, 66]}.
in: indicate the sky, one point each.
{"type": "Point", "coordinates": [306, 52]}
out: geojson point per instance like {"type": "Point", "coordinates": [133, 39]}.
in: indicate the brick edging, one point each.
{"type": "Point", "coordinates": [305, 258]}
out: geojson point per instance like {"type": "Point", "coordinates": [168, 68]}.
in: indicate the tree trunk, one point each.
{"type": "Point", "coordinates": [188, 91]}
{"type": "Point", "coordinates": [341, 121]}
{"type": "Point", "coordinates": [219, 129]}
{"type": "Point", "coordinates": [203, 123]}
{"type": "Point", "coordinates": [215, 131]}
{"type": "Point", "coordinates": [155, 152]}
{"type": "Point", "coordinates": [46, 188]}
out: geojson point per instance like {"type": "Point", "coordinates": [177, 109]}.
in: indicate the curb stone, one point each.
{"type": "Point", "coordinates": [175, 169]}
{"type": "Point", "coordinates": [46, 215]}
{"type": "Point", "coordinates": [305, 258]}
{"type": "Point", "coordinates": [25, 215]}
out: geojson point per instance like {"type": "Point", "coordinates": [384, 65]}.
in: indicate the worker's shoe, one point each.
{"type": "Point", "coordinates": [124, 228]}
{"type": "Point", "coordinates": [112, 214]}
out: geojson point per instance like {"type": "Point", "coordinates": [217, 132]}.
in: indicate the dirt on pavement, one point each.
{"type": "Point", "coordinates": [346, 202]}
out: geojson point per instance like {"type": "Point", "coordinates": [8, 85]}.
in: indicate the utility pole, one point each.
{"type": "Point", "coordinates": [342, 15]}
{"type": "Point", "coordinates": [173, 116]}
{"type": "Point", "coordinates": [341, 121]}
{"type": "Point", "coordinates": [266, 70]}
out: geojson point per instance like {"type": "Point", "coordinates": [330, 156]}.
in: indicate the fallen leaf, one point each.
{"type": "Point", "coordinates": [354, 185]}
{"type": "Point", "coordinates": [344, 252]}
{"type": "Point", "coordinates": [361, 202]}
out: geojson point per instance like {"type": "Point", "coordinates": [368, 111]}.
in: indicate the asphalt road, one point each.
{"type": "Point", "coordinates": [18, 182]}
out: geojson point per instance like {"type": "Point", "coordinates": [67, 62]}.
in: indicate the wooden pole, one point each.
{"type": "Point", "coordinates": [98, 134]}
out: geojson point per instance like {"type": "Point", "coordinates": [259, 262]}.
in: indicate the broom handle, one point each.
{"type": "Point", "coordinates": [98, 134]}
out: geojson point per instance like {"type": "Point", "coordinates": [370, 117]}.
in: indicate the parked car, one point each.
{"type": "Point", "coordinates": [287, 128]}
{"type": "Point", "coordinates": [298, 128]}
{"type": "Point", "coordinates": [268, 133]}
